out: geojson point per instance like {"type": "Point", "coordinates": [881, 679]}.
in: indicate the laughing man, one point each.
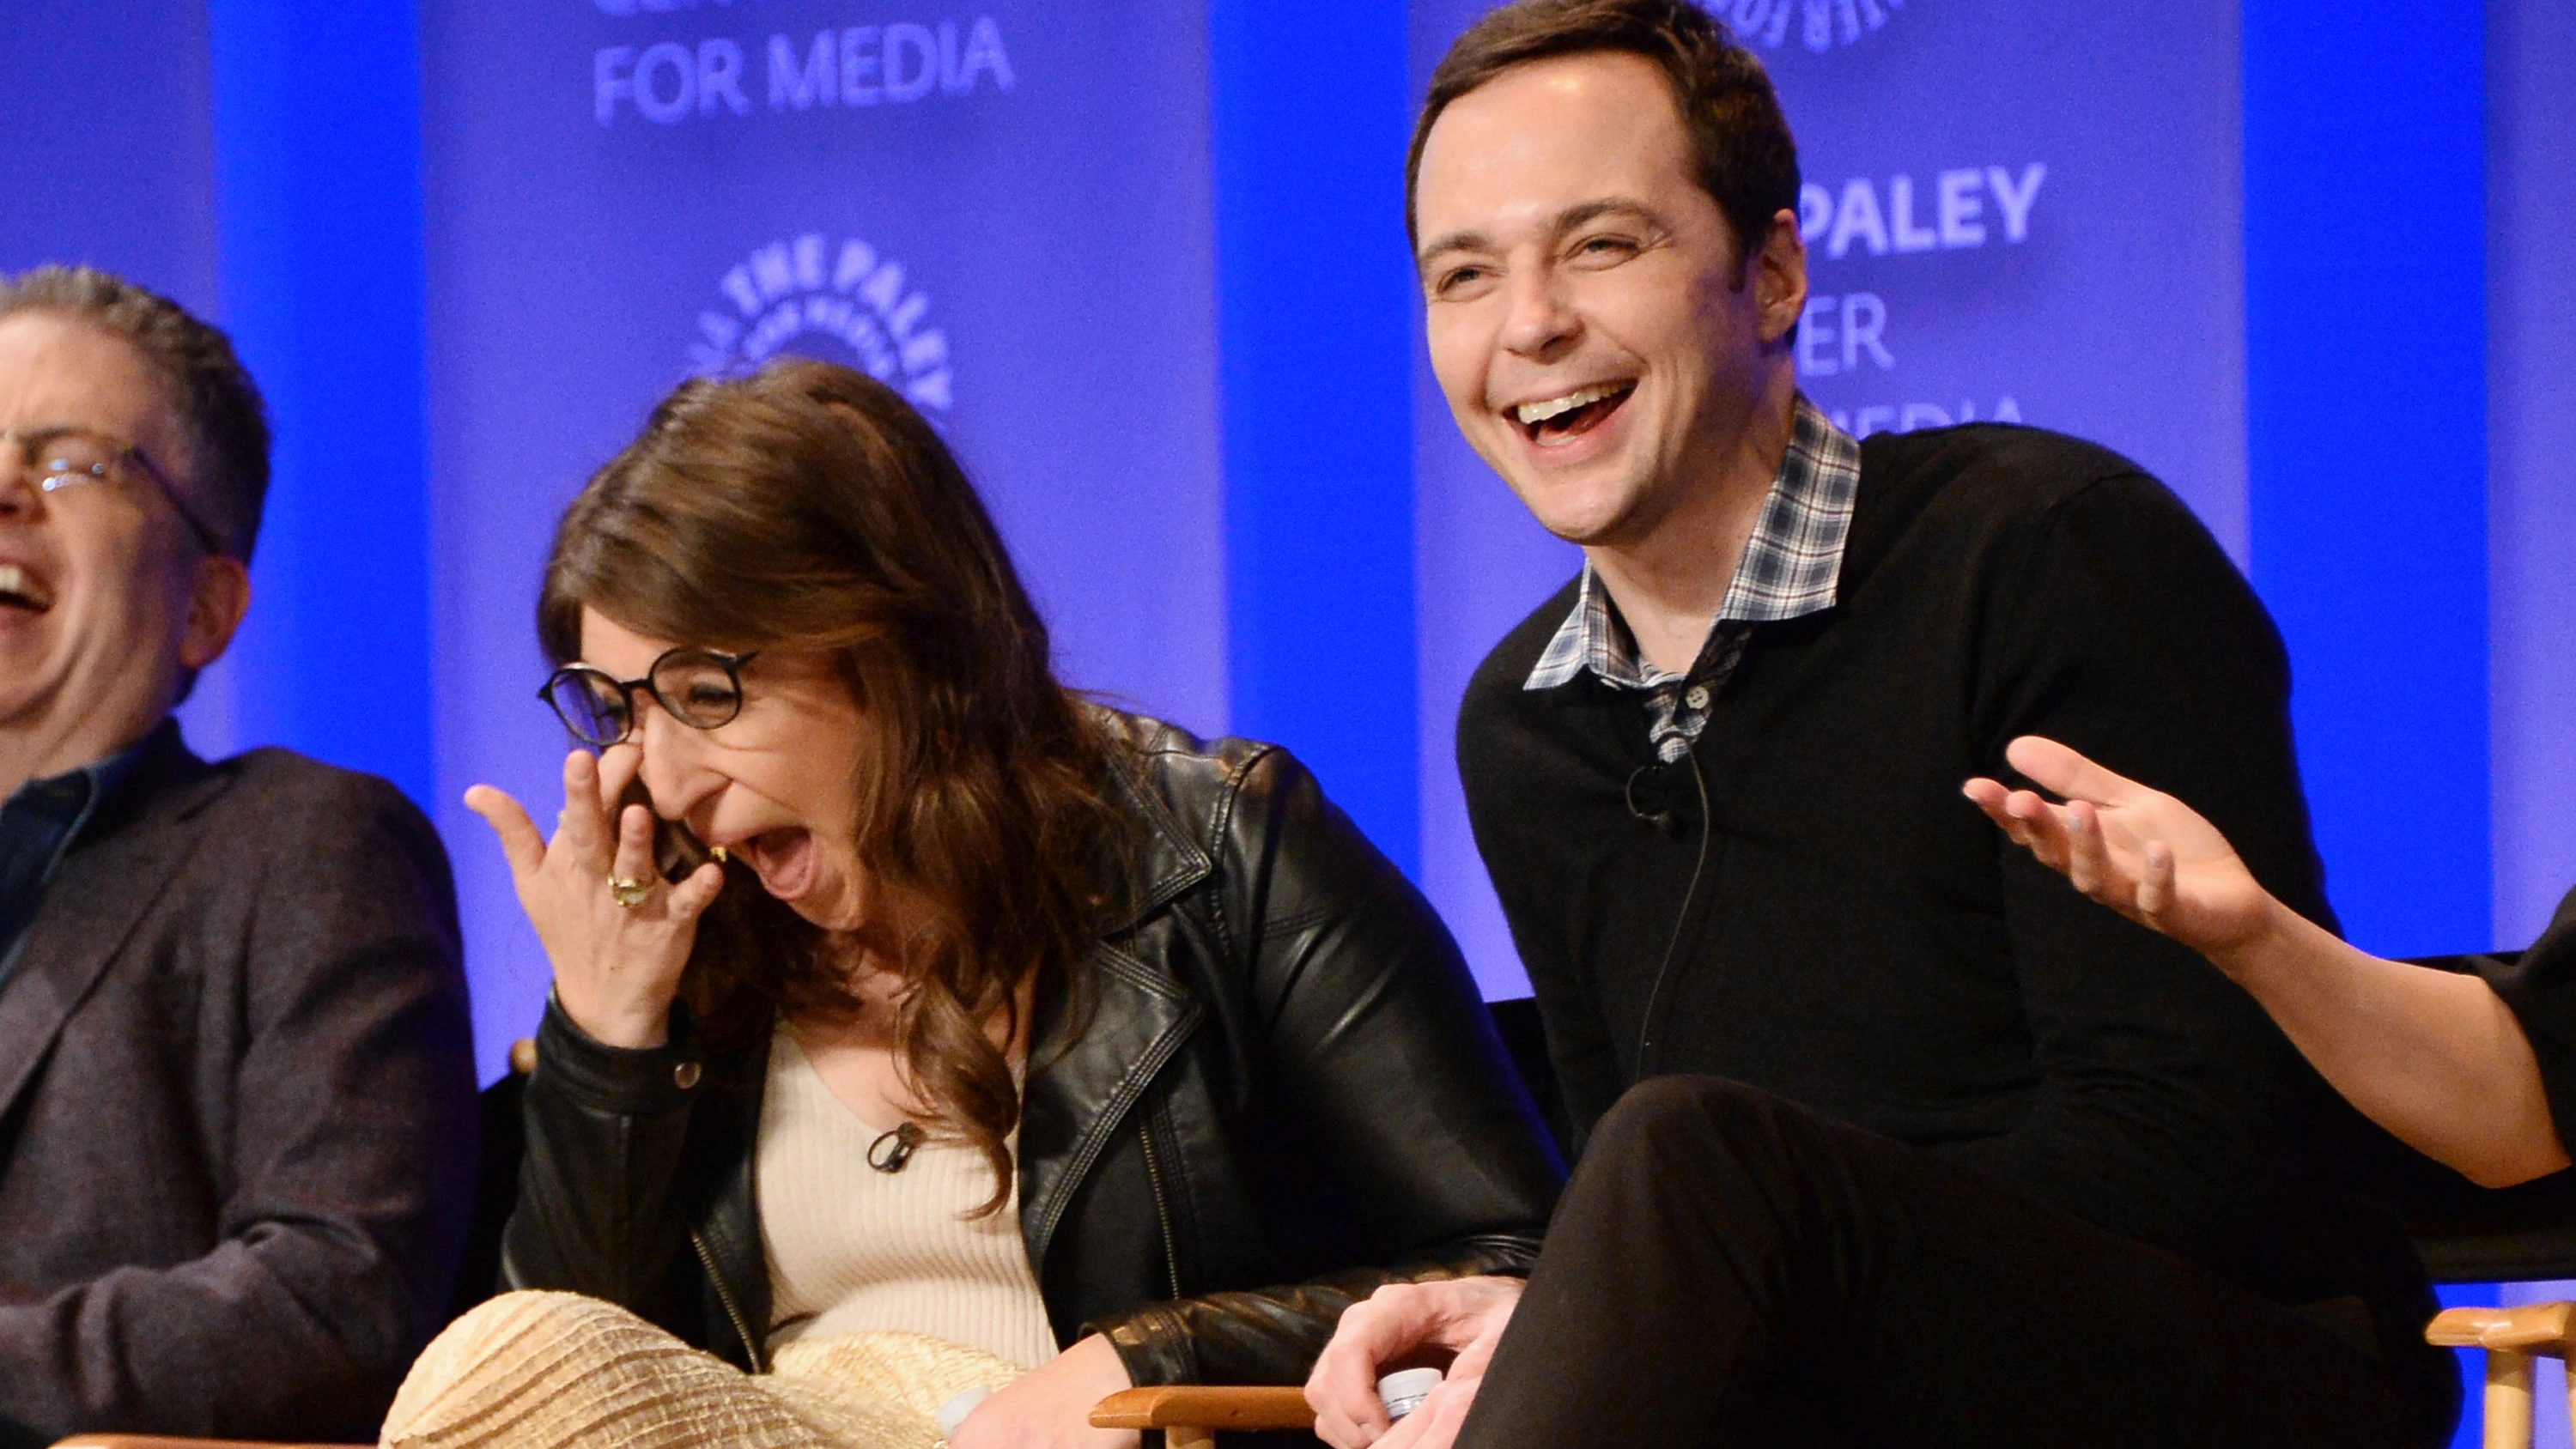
{"type": "Point", "coordinates": [236, 1091]}
{"type": "Point", "coordinates": [1891, 1136]}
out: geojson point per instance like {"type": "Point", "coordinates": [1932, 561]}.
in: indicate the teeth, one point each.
{"type": "Point", "coordinates": [17, 583]}
{"type": "Point", "coordinates": [1539, 412]}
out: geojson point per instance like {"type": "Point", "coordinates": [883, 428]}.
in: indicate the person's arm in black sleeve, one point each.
{"type": "Point", "coordinates": [1377, 1035]}
{"type": "Point", "coordinates": [1588, 1075]}
{"type": "Point", "coordinates": [597, 1214]}
{"type": "Point", "coordinates": [1588, 1078]}
{"type": "Point", "coordinates": [2169, 1109]}
{"type": "Point", "coordinates": [350, 1165]}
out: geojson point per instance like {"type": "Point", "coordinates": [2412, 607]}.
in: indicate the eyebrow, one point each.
{"type": "Point", "coordinates": [1563, 222]}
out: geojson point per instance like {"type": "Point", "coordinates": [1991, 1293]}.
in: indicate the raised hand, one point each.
{"type": "Point", "coordinates": [2139, 851]}
{"type": "Point", "coordinates": [1401, 1322]}
{"type": "Point", "coordinates": [617, 964]}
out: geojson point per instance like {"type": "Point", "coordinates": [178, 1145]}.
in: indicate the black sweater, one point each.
{"type": "Point", "coordinates": [1864, 941]}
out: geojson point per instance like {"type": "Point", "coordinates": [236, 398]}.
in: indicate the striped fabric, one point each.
{"type": "Point", "coordinates": [562, 1371]}
{"type": "Point", "coordinates": [1790, 568]}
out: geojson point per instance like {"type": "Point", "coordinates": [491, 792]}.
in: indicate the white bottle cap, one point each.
{"type": "Point", "coordinates": [954, 1412]}
{"type": "Point", "coordinates": [1404, 1390]}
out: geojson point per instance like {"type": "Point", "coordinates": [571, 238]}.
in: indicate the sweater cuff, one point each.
{"type": "Point", "coordinates": [1152, 1343]}
{"type": "Point", "coordinates": [636, 1081]}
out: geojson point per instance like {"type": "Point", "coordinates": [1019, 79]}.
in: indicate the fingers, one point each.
{"type": "Point", "coordinates": [2038, 826]}
{"type": "Point", "coordinates": [634, 859]}
{"type": "Point", "coordinates": [2088, 864]}
{"type": "Point", "coordinates": [1472, 1360]}
{"type": "Point", "coordinates": [2056, 767]}
{"type": "Point", "coordinates": [691, 897]}
{"type": "Point", "coordinates": [2156, 890]}
{"type": "Point", "coordinates": [2028, 820]}
{"type": "Point", "coordinates": [1435, 1424]}
{"type": "Point", "coordinates": [582, 829]}
{"type": "Point", "coordinates": [1989, 796]}
{"type": "Point", "coordinates": [521, 845]}
{"type": "Point", "coordinates": [1343, 1393]}
{"type": "Point", "coordinates": [617, 766]}
{"type": "Point", "coordinates": [1342, 1390]}
{"type": "Point", "coordinates": [1391, 1327]}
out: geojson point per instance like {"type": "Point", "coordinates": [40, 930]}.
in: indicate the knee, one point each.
{"type": "Point", "coordinates": [580, 1357]}
{"type": "Point", "coordinates": [542, 1311]}
{"type": "Point", "coordinates": [1699, 1129]}
{"type": "Point", "coordinates": [506, 1327]}
{"type": "Point", "coordinates": [1662, 1112]}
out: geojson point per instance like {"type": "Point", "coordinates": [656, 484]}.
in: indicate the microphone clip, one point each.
{"type": "Point", "coordinates": [1661, 819]}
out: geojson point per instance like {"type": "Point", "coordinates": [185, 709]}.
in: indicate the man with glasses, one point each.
{"type": "Point", "coordinates": [236, 1085]}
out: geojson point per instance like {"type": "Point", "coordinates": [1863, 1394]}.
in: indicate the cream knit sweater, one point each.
{"type": "Point", "coordinates": [851, 1248]}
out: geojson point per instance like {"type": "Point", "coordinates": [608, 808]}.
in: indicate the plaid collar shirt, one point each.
{"type": "Point", "coordinates": [1790, 568]}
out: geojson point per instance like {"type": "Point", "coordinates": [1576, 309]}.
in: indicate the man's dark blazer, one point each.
{"type": "Point", "coordinates": [236, 1107]}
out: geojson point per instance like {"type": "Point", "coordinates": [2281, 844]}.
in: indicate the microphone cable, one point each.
{"type": "Point", "coordinates": [1690, 893]}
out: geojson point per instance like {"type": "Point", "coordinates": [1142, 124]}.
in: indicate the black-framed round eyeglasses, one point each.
{"type": "Point", "coordinates": [701, 688]}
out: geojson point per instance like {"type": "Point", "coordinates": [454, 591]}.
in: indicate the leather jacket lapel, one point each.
{"type": "Point", "coordinates": [1079, 1091]}
{"type": "Point", "coordinates": [1077, 1094]}
{"type": "Point", "coordinates": [108, 884]}
{"type": "Point", "coordinates": [1169, 860]}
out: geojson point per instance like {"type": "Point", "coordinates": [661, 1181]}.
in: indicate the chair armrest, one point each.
{"type": "Point", "coordinates": [2547, 1329]}
{"type": "Point", "coordinates": [1201, 1406]}
{"type": "Point", "coordinates": [173, 1441]}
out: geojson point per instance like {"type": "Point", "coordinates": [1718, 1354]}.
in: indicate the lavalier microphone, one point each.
{"type": "Point", "coordinates": [1660, 819]}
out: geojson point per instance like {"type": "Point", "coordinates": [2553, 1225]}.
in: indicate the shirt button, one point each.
{"type": "Point", "coordinates": [685, 1075]}
{"type": "Point", "coordinates": [1698, 697]}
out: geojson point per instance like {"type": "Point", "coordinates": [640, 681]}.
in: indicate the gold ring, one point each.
{"type": "Point", "coordinates": [630, 891]}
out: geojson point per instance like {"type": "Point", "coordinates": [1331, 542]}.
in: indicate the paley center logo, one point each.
{"type": "Point", "coordinates": [1821, 24]}
{"type": "Point", "coordinates": [792, 294]}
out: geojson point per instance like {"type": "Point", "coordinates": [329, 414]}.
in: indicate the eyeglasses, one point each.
{"type": "Point", "coordinates": [701, 688]}
{"type": "Point", "coordinates": [63, 458]}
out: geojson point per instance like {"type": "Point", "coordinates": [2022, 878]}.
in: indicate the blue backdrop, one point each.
{"type": "Point", "coordinates": [1143, 261]}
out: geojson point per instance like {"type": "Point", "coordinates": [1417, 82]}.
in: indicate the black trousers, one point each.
{"type": "Point", "coordinates": [1730, 1269]}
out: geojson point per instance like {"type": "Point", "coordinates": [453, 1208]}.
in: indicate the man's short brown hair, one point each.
{"type": "Point", "coordinates": [226, 421]}
{"type": "Point", "coordinates": [1745, 157]}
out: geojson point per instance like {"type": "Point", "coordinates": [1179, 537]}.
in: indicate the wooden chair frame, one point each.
{"type": "Point", "coordinates": [1190, 1414]}
{"type": "Point", "coordinates": [2512, 1338]}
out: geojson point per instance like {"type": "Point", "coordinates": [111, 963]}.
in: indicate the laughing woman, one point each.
{"type": "Point", "coordinates": [947, 1003]}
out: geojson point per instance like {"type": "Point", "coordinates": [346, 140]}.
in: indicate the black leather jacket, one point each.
{"type": "Point", "coordinates": [1287, 1075]}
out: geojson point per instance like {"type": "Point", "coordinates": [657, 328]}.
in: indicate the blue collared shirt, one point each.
{"type": "Point", "coordinates": [1791, 567]}
{"type": "Point", "coordinates": [38, 824]}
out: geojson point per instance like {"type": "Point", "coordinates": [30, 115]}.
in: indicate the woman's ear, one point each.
{"type": "Point", "coordinates": [218, 596]}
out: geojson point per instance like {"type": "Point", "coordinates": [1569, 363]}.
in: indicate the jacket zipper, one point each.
{"type": "Point", "coordinates": [1162, 1205]}
{"type": "Point", "coordinates": [724, 1295]}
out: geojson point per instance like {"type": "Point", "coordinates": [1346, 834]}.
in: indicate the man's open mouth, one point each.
{"type": "Point", "coordinates": [1573, 413]}
{"type": "Point", "coordinates": [20, 589]}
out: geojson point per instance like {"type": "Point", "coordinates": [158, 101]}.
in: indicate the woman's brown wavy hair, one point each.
{"type": "Point", "coordinates": [809, 507]}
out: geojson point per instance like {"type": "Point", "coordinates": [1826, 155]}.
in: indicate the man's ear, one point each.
{"type": "Point", "coordinates": [1780, 276]}
{"type": "Point", "coordinates": [217, 598]}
